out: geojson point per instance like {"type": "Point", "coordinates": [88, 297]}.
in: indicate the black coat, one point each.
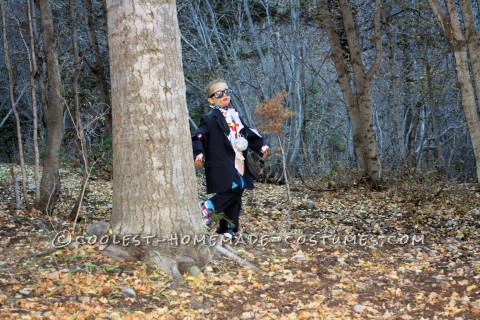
{"type": "Point", "coordinates": [218, 153]}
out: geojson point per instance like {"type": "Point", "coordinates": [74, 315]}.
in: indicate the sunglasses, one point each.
{"type": "Point", "coordinates": [221, 93]}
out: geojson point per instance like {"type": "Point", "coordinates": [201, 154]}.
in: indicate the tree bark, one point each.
{"type": "Point", "coordinates": [296, 103]}
{"type": "Point", "coordinates": [33, 93]}
{"type": "Point", "coordinates": [357, 97]}
{"type": "Point", "coordinates": [435, 119]}
{"type": "Point", "coordinates": [50, 184]}
{"type": "Point", "coordinates": [473, 43]}
{"type": "Point", "coordinates": [154, 191]}
{"type": "Point", "coordinates": [468, 103]}
{"type": "Point", "coordinates": [16, 189]}
{"type": "Point", "coordinates": [414, 119]}
{"type": "Point", "coordinates": [455, 35]}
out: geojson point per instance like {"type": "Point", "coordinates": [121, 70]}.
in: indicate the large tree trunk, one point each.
{"type": "Point", "coordinates": [50, 184]}
{"type": "Point", "coordinates": [473, 42]}
{"type": "Point", "coordinates": [454, 33]}
{"type": "Point", "coordinates": [468, 102]}
{"type": "Point", "coordinates": [154, 191]}
{"type": "Point", "coordinates": [358, 98]}
{"type": "Point", "coordinates": [371, 164]}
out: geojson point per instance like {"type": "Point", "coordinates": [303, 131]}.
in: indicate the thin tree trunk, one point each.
{"type": "Point", "coordinates": [227, 62]}
{"type": "Point", "coordinates": [421, 138]}
{"type": "Point", "coordinates": [6, 117]}
{"type": "Point", "coordinates": [8, 65]}
{"type": "Point", "coordinates": [154, 193]}
{"type": "Point", "coordinates": [288, 221]}
{"type": "Point", "coordinates": [398, 110]}
{"type": "Point", "coordinates": [295, 91]}
{"type": "Point", "coordinates": [435, 119]}
{"type": "Point", "coordinates": [33, 93]}
{"type": "Point", "coordinates": [256, 41]}
{"type": "Point", "coordinates": [20, 96]}
{"type": "Point", "coordinates": [50, 184]}
{"type": "Point", "coordinates": [16, 189]}
{"type": "Point", "coordinates": [97, 68]}
{"type": "Point", "coordinates": [379, 135]}
{"type": "Point", "coordinates": [78, 119]}
{"type": "Point", "coordinates": [412, 134]}
{"type": "Point", "coordinates": [269, 45]}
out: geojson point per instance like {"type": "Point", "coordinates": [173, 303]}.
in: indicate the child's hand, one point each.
{"type": "Point", "coordinates": [265, 151]}
{"type": "Point", "coordinates": [199, 160]}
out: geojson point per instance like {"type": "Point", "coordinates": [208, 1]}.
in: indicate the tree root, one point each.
{"type": "Point", "coordinates": [229, 252]}
{"type": "Point", "coordinates": [174, 265]}
{"type": "Point", "coordinates": [174, 262]}
{"type": "Point", "coordinates": [229, 248]}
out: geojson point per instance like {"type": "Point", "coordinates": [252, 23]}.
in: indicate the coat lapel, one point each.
{"type": "Point", "coordinates": [222, 123]}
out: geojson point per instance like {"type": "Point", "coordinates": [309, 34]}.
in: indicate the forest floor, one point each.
{"type": "Point", "coordinates": [411, 251]}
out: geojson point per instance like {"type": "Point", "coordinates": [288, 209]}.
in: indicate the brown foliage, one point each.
{"type": "Point", "coordinates": [271, 114]}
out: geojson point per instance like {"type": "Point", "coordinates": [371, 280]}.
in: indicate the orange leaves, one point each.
{"type": "Point", "coordinates": [272, 114]}
{"type": "Point", "coordinates": [197, 282]}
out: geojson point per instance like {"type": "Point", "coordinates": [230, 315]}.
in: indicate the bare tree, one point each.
{"type": "Point", "coordinates": [461, 41]}
{"type": "Point", "coordinates": [435, 117]}
{"type": "Point", "coordinates": [78, 119]}
{"type": "Point", "coordinates": [397, 107]}
{"type": "Point", "coordinates": [33, 92]}
{"type": "Point", "coordinates": [8, 65]}
{"type": "Point", "coordinates": [357, 91]}
{"type": "Point", "coordinates": [50, 184]}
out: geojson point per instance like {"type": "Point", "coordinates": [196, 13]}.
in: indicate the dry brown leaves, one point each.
{"type": "Point", "coordinates": [388, 274]}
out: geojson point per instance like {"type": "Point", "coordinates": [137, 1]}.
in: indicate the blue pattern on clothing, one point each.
{"type": "Point", "coordinates": [209, 205]}
{"type": "Point", "coordinates": [234, 185]}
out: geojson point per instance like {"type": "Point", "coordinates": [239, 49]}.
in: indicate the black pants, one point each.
{"type": "Point", "coordinates": [230, 203]}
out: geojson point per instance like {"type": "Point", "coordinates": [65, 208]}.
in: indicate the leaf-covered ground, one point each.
{"type": "Point", "coordinates": [409, 252]}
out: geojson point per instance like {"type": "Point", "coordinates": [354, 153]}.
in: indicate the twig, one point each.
{"type": "Point", "coordinates": [288, 221]}
{"type": "Point", "coordinates": [16, 188]}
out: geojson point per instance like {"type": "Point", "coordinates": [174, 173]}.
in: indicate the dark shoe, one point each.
{"type": "Point", "coordinates": [206, 213]}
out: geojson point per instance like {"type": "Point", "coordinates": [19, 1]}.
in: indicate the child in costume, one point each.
{"type": "Point", "coordinates": [221, 144]}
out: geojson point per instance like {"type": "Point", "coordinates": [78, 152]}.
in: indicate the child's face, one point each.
{"type": "Point", "coordinates": [220, 102]}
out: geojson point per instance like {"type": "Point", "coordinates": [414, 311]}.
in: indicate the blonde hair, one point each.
{"type": "Point", "coordinates": [211, 84]}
